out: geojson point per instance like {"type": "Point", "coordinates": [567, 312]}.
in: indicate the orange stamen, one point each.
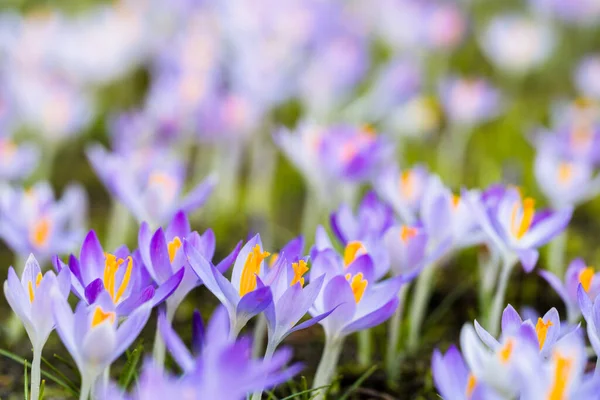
{"type": "Point", "coordinates": [358, 285]}
{"type": "Point", "coordinates": [471, 382]}
{"type": "Point", "coordinates": [40, 232]}
{"type": "Point", "coordinates": [100, 316]}
{"type": "Point", "coordinates": [173, 247]}
{"type": "Point", "coordinates": [300, 269]}
{"type": "Point", "coordinates": [585, 278]}
{"type": "Point", "coordinates": [251, 269]}
{"type": "Point", "coordinates": [352, 251]}
{"type": "Point", "coordinates": [520, 229]}
{"type": "Point", "coordinates": [407, 233]}
{"type": "Point", "coordinates": [562, 370]}
{"type": "Point", "coordinates": [541, 329]}
{"type": "Point", "coordinates": [565, 172]}
{"type": "Point", "coordinates": [506, 351]}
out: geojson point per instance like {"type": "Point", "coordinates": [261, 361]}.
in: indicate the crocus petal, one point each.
{"type": "Point", "coordinates": [92, 258]}
{"type": "Point", "coordinates": [528, 258]}
{"type": "Point", "coordinates": [177, 349]}
{"type": "Point", "coordinates": [198, 332]}
{"type": "Point", "coordinates": [511, 320]}
{"type": "Point", "coordinates": [164, 290]}
{"type": "Point", "coordinates": [160, 256]}
{"type": "Point", "coordinates": [227, 261]}
{"type": "Point", "coordinates": [98, 346]}
{"type": "Point", "coordinates": [253, 303]}
{"type": "Point", "coordinates": [373, 319]}
{"type": "Point", "coordinates": [338, 294]}
{"type": "Point", "coordinates": [240, 261]}
{"type": "Point", "coordinates": [135, 301]}
{"type": "Point", "coordinates": [485, 337]}
{"type": "Point", "coordinates": [93, 290]}
{"type": "Point", "coordinates": [179, 226]}
{"type": "Point", "coordinates": [129, 330]}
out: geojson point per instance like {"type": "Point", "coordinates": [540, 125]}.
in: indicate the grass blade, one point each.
{"type": "Point", "coordinates": [26, 384]}
{"type": "Point", "coordinates": [42, 388]}
{"type": "Point", "coordinates": [48, 375]}
{"type": "Point", "coordinates": [293, 396]}
{"type": "Point", "coordinates": [359, 382]}
{"type": "Point", "coordinates": [130, 369]}
{"type": "Point", "coordinates": [62, 376]}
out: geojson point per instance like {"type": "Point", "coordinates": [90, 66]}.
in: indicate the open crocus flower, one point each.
{"type": "Point", "coordinates": [94, 336]}
{"type": "Point", "coordinates": [453, 379]}
{"type": "Point", "coordinates": [516, 43]}
{"type": "Point", "coordinates": [245, 295]}
{"type": "Point", "coordinates": [577, 273]}
{"type": "Point", "coordinates": [119, 275]}
{"type": "Point", "coordinates": [515, 227]}
{"type": "Point", "coordinates": [403, 190]}
{"type": "Point", "coordinates": [34, 222]}
{"type": "Point", "coordinates": [17, 161]}
{"type": "Point", "coordinates": [468, 102]}
{"type": "Point", "coordinates": [561, 376]}
{"type": "Point", "coordinates": [164, 259]}
{"type": "Point", "coordinates": [545, 333]}
{"type": "Point", "coordinates": [152, 187]}
{"type": "Point", "coordinates": [565, 182]}
{"type": "Point", "coordinates": [30, 299]}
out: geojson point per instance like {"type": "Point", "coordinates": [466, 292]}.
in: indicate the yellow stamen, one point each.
{"type": "Point", "coordinates": [562, 370]}
{"type": "Point", "coordinates": [352, 251]}
{"type": "Point", "coordinates": [251, 269]}
{"type": "Point", "coordinates": [455, 200]}
{"type": "Point", "coordinates": [38, 279]}
{"type": "Point", "coordinates": [31, 293]}
{"type": "Point", "coordinates": [101, 316]}
{"type": "Point", "coordinates": [40, 232]}
{"type": "Point", "coordinates": [124, 281]}
{"type": "Point", "coordinates": [520, 228]}
{"type": "Point", "coordinates": [300, 269]}
{"type": "Point", "coordinates": [407, 233]}
{"type": "Point", "coordinates": [173, 246]}
{"type": "Point", "coordinates": [358, 285]}
{"type": "Point", "coordinates": [368, 130]}
{"type": "Point", "coordinates": [541, 329]}
{"type": "Point", "coordinates": [506, 351]}
{"type": "Point", "coordinates": [273, 259]}
{"type": "Point", "coordinates": [585, 278]}
{"type": "Point", "coordinates": [565, 172]}
{"type": "Point", "coordinates": [407, 184]}
{"type": "Point", "coordinates": [471, 382]}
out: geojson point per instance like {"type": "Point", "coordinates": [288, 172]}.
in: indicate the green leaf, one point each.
{"type": "Point", "coordinates": [42, 388]}
{"type": "Point", "coordinates": [48, 375]}
{"type": "Point", "coordinates": [359, 382]}
{"type": "Point", "coordinates": [130, 369]}
{"type": "Point", "coordinates": [295, 395]}
{"type": "Point", "coordinates": [26, 384]}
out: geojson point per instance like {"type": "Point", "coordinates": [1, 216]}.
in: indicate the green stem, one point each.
{"type": "Point", "coordinates": [86, 386]}
{"type": "Point", "coordinates": [365, 348]}
{"type": "Point", "coordinates": [395, 324]}
{"type": "Point", "coordinates": [418, 307]}
{"type": "Point", "coordinates": [493, 322]}
{"type": "Point", "coordinates": [327, 365]}
{"type": "Point", "coordinates": [260, 330]}
{"type": "Point", "coordinates": [556, 254]}
{"type": "Point", "coordinates": [36, 372]}
{"type": "Point", "coordinates": [159, 350]}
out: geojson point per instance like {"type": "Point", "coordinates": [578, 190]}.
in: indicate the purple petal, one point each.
{"type": "Point", "coordinates": [511, 320]}
{"type": "Point", "coordinates": [177, 349]}
{"type": "Point", "coordinates": [254, 302]}
{"type": "Point", "coordinates": [528, 258]}
{"type": "Point", "coordinates": [373, 319]}
{"type": "Point", "coordinates": [338, 295]}
{"type": "Point", "coordinates": [198, 332]}
{"type": "Point", "coordinates": [92, 258]}
{"type": "Point", "coordinates": [93, 290]}
{"type": "Point", "coordinates": [135, 301]}
{"type": "Point", "coordinates": [485, 337]}
{"type": "Point", "coordinates": [178, 227]}
{"type": "Point", "coordinates": [129, 330]}
{"type": "Point", "coordinates": [227, 261]}
{"type": "Point", "coordinates": [160, 257]}
{"type": "Point", "coordinates": [165, 289]}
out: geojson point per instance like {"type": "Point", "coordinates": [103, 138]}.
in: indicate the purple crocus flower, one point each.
{"type": "Point", "coordinates": [164, 259]}
{"type": "Point", "coordinates": [119, 275]}
{"type": "Point", "coordinates": [17, 161]}
{"type": "Point", "coordinates": [453, 379]}
{"type": "Point", "coordinates": [94, 336]}
{"type": "Point", "coordinates": [469, 102]}
{"type": "Point", "coordinates": [151, 188]}
{"type": "Point", "coordinates": [29, 298]}
{"type": "Point", "coordinates": [513, 225]}
{"type": "Point", "coordinates": [403, 190]}
{"type": "Point", "coordinates": [578, 273]}
{"type": "Point", "coordinates": [587, 76]}
{"type": "Point", "coordinates": [445, 25]}
{"type": "Point", "coordinates": [245, 295]}
{"type": "Point", "coordinates": [34, 222]}
{"type": "Point", "coordinates": [565, 182]}
{"type": "Point", "coordinates": [545, 333]}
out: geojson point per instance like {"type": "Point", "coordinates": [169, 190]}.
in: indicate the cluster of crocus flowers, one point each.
{"type": "Point", "coordinates": [532, 359]}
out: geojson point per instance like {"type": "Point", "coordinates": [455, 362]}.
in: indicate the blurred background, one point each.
{"type": "Point", "coordinates": [208, 86]}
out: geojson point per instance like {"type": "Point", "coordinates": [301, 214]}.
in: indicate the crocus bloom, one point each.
{"type": "Point", "coordinates": [577, 273]}
{"type": "Point", "coordinates": [119, 275]}
{"type": "Point", "coordinates": [94, 336]}
{"type": "Point", "coordinates": [564, 181]}
{"type": "Point", "coordinates": [17, 161]}
{"type": "Point", "coordinates": [587, 77]}
{"type": "Point", "coordinates": [445, 25]}
{"type": "Point", "coordinates": [245, 295]}
{"type": "Point", "coordinates": [34, 222]}
{"type": "Point", "coordinates": [222, 370]}
{"type": "Point", "coordinates": [516, 43]}
{"type": "Point", "coordinates": [453, 380]}
{"type": "Point", "coordinates": [152, 187]}
{"type": "Point", "coordinates": [30, 298]}
{"type": "Point", "coordinates": [165, 261]}
{"type": "Point", "coordinates": [468, 102]}
{"type": "Point", "coordinates": [403, 190]}
{"type": "Point", "coordinates": [515, 227]}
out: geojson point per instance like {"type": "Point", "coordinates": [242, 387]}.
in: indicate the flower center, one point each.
{"type": "Point", "coordinates": [520, 224]}
{"type": "Point", "coordinates": [358, 285]}
{"type": "Point", "coordinates": [38, 279]}
{"type": "Point", "coordinates": [506, 351]}
{"type": "Point", "coordinates": [251, 269]}
{"type": "Point", "coordinates": [300, 269]}
{"type": "Point", "coordinates": [352, 251]}
{"type": "Point", "coordinates": [111, 266]}
{"type": "Point", "coordinates": [565, 173]}
{"type": "Point", "coordinates": [407, 184]}
{"type": "Point", "coordinates": [100, 316]}
{"type": "Point", "coordinates": [173, 246]}
{"type": "Point", "coordinates": [40, 232]}
{"type": "Point", "coordinates": [407, 233]}
{"type": "Point", "coordinates": [585, 278]}
{"type": "Point", "coordinates": [562, 370]}
{"type": "Point", "coordinates": [541, 329]}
